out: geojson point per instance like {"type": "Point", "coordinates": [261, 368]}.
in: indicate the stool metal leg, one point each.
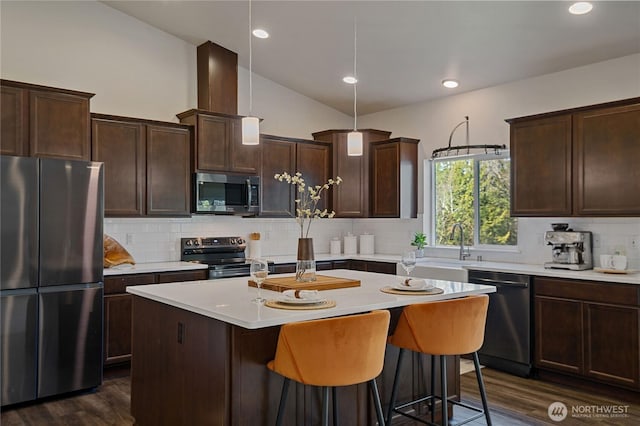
{"type": "Point", "coordinates": [376, 401]}
{"type": "Point", "coordinates": [394, 389]}
{"type": "Point", "coordinates": [325, 406]}
{"type": "Point", "coordinates": [283, 400]}
{"type": "Point", "coordinates": [432, 401]}
{"type": "Point", "coordinates": [335, 406]}
{"type": "Point", "coordinates": [483, 393]}
{"type": "Point", "coordinates": [443, 388]}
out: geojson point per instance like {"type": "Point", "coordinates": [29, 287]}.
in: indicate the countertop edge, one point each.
{"type": "Point", "coordinates": [517, 268]}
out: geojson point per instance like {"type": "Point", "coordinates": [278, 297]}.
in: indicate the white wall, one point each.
{"type": "Point", "coordinates": [134, 69]}
{"type": "Point", "coordinates": [285, 112]}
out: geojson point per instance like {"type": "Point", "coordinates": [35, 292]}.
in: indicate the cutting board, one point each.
{"type": "Point", "coordinates": [322, 282]}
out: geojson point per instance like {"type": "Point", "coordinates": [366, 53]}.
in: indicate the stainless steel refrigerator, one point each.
{"type": "Point", "coordinates": [50, 277]}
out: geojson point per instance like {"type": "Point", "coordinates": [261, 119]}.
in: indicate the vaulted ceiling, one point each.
{"type": "Point", "coordinates": [404, 48]}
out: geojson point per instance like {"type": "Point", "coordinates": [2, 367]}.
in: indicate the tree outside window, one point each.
{"type": "Point", "coordinates": [473, 191]}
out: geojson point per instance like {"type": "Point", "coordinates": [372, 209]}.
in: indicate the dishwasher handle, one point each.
{"type": "Point", "coordinates": [498, 283]}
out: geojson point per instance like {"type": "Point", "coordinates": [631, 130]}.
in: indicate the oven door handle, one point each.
{"type": "Point", "coordinates": [248, 206]}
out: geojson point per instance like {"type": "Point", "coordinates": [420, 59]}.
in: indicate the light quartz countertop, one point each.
{"type": "Point", "coordinates": [230, 299]}
{"type": "Point", "coordinates": [633, 277]}
{"type": "Point", "coordinates": [150, 267]}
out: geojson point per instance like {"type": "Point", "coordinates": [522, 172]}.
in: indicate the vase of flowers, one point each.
{"type": "Point", "coordinates": [306, 201]}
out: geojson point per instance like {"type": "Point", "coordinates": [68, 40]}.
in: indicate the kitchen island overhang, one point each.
{"type": "Point", "coordinates": [200, 351]}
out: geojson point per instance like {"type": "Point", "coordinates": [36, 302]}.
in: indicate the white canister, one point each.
{"type": "Point", "coordinates": [367, 245]}
{"type": "Point", "coordinates": [255, 249]}
{"type": "Point", "coordinates": [350, 244]}
{"type": "Point", "coordinates": [335, 246]}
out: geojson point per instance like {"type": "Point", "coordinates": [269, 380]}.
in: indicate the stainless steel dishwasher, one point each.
{"type": "Point", "coordinates": [507, 338]}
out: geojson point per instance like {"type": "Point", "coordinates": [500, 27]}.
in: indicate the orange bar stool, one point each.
{"type": "Point", "coordinates": [449, 327]}
{"type": "Point", "coordinates": [332, 352]}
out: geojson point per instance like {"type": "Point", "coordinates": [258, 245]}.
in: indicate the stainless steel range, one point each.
{"type": "Point", "coordinates": [224, 255]}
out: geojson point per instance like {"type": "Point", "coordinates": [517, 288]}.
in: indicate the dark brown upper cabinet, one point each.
{"type": "Point", "coordinates": [578, 162]}
{"type": "Point", "coordinates": [541, 178]}
{"type": "Point", "coordinates": [41, 121]}
{"type": "Point", "coordinates": [394, 178]}
{"type": "Point", "coordinates": [218, 143]}
{"type": "Point", "coordinates": [217, 78]}
{"type": "Point", "coordinates": [291, 155]}
{"type": "Point", "coordinates": [351, 197]}
{"type": "Point", "coordinates": [606, 162]}
{"type": "Point", "coordinates": [147, 166]}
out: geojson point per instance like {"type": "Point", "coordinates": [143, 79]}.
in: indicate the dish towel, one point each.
{"type": "Point", "coordinates": [301, 294]}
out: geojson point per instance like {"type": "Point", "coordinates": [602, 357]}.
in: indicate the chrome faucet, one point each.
{"type": "Point", "coordinates": [464, 253]}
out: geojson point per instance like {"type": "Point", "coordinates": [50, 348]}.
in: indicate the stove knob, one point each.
{"type": "Point", "coordinates": [188, 243]}
{"type": "Point", "coordinates": [240, 241]}
{"type": "Point", "coordinates": [196, 243]}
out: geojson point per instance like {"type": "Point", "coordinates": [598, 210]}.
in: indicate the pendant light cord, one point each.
{"type": "Point", "coordinates": [250, 64]}
{"type": "Point", "coordinates": [355, 74]}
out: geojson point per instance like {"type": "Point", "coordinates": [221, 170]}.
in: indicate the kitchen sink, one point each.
{"type": "Point", "coordinates": [440, 269]}
{"type": "Point", "coordinates": [444, 263]}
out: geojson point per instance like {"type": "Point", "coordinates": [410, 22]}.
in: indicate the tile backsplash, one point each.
{"type": "Point", "coordinates": [158, 239]}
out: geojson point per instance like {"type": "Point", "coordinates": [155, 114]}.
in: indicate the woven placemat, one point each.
{"type": "Point", "coordinates": [431, 291]}
{"type": "Point", "coordinates": [320, 305]}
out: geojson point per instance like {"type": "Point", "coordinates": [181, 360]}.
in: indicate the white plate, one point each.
{"type": "Point", "coordinates": [403, 287]}
{"type": "Point", "coordinates": [290, 301]}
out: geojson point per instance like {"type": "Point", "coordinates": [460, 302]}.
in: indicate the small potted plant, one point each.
{"type": "Point", "coordinates": [419, 241]}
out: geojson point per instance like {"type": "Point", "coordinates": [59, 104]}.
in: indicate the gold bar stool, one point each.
{"type": "Point", "coordinates": [332, 352]}
{"type": "Point", "coordinates": [449, 327]}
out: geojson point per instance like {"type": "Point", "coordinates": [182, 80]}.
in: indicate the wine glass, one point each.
{"type": "Point", "coordinates": [259, 271]}
{"type": "Point", "coordinates": [408, 262]}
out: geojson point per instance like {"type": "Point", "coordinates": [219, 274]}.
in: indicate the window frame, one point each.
{"type": "Point", "coordinates": [477, 158]}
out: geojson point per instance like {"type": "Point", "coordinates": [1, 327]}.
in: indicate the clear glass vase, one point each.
{"type": "Point", "coordinates": [306, 264]}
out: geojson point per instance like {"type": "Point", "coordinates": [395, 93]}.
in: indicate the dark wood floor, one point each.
{"type": "Point", "coordinates": [513, 401]}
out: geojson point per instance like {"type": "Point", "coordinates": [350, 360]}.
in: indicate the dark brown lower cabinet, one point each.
{"type": "Point", "coordinates": [588, 330]}
{"type": "Point", "coordinates": [189, 369]}
{"type": "Point", "coordinates": [117, 309]}
{"type": "Point", "coordinates": [372, 266]}
{"type": "Point", "coordinates": [357, 265]}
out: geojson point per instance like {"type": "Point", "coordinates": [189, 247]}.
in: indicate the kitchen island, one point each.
{"type": "Point", "coordinates": [200, 350]}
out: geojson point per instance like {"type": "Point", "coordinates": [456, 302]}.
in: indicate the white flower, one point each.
{"type": "Point", "coordinates": [306, 203]}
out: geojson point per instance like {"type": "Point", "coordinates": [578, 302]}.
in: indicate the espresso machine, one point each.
{"type": "Point", "coordinates": [569, 249]}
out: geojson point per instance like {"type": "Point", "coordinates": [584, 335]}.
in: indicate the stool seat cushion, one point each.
{"type": "Point", "coordinates": [338, 351]}
{"type": "Point", "coordinates": [449, 327]}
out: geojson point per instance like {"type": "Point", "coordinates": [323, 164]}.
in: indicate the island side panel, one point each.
{"type": "Point", "coordinates": [179, 368]}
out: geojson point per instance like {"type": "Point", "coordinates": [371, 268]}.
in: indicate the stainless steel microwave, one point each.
{"type": "Point", "coordinates": [227, 194]}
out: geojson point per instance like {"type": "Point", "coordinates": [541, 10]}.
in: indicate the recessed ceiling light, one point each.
{"type": "Point", "coordinates": [450, 84]}
{"type": "Point", "coordinates": [580, 8]}
{"type": "Point", "coordinates": [350, 80]}
{"type": "Point", "coordinates": [260, 33]}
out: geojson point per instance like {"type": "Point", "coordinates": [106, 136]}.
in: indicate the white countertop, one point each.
{"type": "Point", "coordinates": [141, 268]}
{"type": "Point", "coordinates": [633, 277]}
{"type": "Point", "coordinates": [229, 299]}
{"type": "Point", "coordinates": [539, 270]}
{"type": "Point", "coordinates": [518, 268]}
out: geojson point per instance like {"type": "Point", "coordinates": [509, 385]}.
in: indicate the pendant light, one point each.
{"type": "Point", "coordinates": [250, 124]}
{"type": "Point", "coordinates": [354, 139]}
